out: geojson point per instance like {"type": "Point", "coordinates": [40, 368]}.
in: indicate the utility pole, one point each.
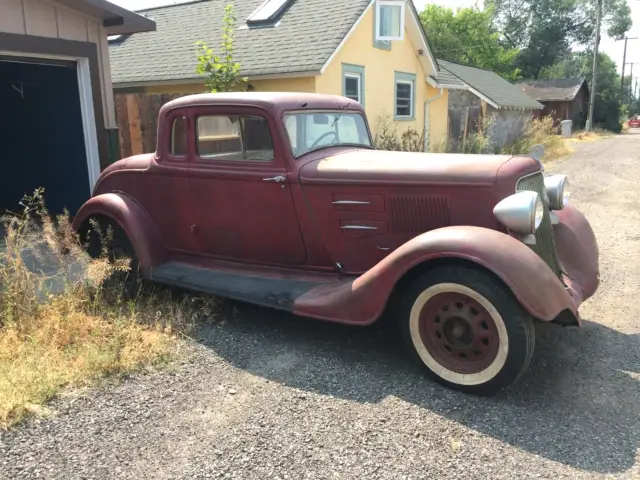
{"type": "Point", "coordinates": [624, 59]}
{"type": "Point", "coordinates": [631, 88]}
{"type": "Point", "coordinates": [592, 100]}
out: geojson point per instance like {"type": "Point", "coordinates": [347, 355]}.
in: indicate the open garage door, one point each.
{"type": "Point", "coordinates": [42, 135]}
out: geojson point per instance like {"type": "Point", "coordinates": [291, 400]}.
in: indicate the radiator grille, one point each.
{"type": "Point", "coordinates": [418, 213]}
{"type": "Point", "coordinates": [545, 245]}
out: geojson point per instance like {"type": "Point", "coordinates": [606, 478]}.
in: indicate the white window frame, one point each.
{"type": "Point", "coordinates": [358, 77]}
{"type": "Point", "coordinates": [390, 3]}
{"type": "Point", "coordinates": [411, 98]}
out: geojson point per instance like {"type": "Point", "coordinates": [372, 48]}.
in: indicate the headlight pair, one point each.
{"type": "Point", "coordinates": [521, 212]}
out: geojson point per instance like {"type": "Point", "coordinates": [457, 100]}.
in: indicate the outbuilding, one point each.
{"type": "Point", "coordinates": [57, 118]}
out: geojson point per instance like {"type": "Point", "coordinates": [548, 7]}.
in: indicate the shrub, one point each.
{"type": "Point", "coordinates": [539, 131]}
{"type": "Point", "coordinates": [388, 138]}
{"type": "Point", "coordinates": [63, 326]}
{"type": "Point", "coordinates": [613, 125]}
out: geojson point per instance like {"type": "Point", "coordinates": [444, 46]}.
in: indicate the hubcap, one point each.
{"type": "Point", "coordinates": [459, 333]}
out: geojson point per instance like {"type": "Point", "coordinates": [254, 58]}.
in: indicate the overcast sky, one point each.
{"type": "Point", "coordinates": [615, 49]}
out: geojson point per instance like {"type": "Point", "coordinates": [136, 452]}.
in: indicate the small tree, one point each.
{"type": "Point", "coordinates": [222, 72]}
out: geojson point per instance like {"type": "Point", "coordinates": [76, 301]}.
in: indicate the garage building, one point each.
{"type": "Point", "coordinates": [57, 118]}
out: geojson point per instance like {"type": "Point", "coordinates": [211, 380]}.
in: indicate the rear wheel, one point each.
{"type": "Point", "coordinates": [105, 237]}
{"type": "Point", "coordinates": [467, 329]}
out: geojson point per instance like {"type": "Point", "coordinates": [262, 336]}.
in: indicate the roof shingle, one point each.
{"type": "Point", "coordinates": [302, 41]}
{"type": "Point", "coordinates": [491, 85]}
{"type": "Point", "coordinates": [555, 90]}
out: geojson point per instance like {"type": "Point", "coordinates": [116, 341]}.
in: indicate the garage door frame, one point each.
{"type": "Point", "coordinates": [85, 55]}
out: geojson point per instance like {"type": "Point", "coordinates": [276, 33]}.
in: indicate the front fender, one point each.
{"type": "Point", "coordinates": [362, 300]}
{"type": "Point", "coordinates": [131, 217]}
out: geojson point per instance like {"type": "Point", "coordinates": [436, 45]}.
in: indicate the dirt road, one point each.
{"type": "Point", "coordinates": [272, 396]}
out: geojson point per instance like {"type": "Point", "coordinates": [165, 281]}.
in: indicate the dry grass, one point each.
{"type": "Point", "coordinates": [83, 332]}
{"type": "Point", "coordinates": [540, 131]}
{"type": "Point", "coordinates": [592, 136]}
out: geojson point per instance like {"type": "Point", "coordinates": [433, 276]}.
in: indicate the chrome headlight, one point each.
{"type": "Point", "coordinates": [557, 187]}
{"type": "Point", "coordinates": [521, 212]}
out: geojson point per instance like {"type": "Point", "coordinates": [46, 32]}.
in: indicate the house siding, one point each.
{"type": "Point", "coordinates": [50, 20]}
{"type": "Point", "coordinates": [380, 71]}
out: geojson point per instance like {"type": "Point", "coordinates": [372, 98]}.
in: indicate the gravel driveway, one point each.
{"type": "Point", "coordinates": [266, 395]}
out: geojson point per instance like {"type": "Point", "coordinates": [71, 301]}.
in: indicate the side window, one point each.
{"type": "Point", "coordinates": [405, 96]}
{"type": "Point", "coordinates": [257, 141]}
{"type": "Point", "coordinates": [234, 138]}
{"type": "Point", "coordinates": [178, 137]}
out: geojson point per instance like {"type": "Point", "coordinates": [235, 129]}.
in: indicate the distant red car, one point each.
{"type": "Point", "coordinates": [634, 122]}
{"type": "Point", "coordinates": [280, 199]}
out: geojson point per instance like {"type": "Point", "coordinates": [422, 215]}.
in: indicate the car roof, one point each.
{"type": "Point", "coordinates": [275, 102]}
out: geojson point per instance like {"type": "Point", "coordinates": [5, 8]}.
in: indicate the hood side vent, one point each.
{"type": "Point", "coordinates": [418, 213]}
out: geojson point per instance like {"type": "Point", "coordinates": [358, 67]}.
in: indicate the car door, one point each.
{"type": "Point", "coordinates": [163, 189]}
{"type": "Point", "coordinates": [241, 201]}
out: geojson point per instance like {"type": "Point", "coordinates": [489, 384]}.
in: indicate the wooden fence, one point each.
{"type": "Point", "coordinates": [137, 118]}
{"type": "Point", "coordinates": [464, 121]}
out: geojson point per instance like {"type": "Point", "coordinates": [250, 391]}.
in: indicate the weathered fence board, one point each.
{"type": "Point", "coordinates": [137, 118]}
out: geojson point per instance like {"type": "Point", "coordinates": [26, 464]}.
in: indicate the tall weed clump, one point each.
{"type": "Point", "coordinates": [63, 324]}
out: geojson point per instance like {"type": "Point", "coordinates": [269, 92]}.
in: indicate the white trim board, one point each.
{"type": "Point", "coordinates": [484, 97]}
{"type": "Point", "coordinates": [86, 109]}
{"type": "Point", "coordinates": [346, 37]}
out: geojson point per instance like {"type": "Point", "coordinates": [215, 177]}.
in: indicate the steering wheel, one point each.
{"type": "Point", "coordinates": [330, 132]}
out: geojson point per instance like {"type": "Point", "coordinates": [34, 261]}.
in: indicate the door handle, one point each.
{"type": "Point", "coordinates": [278, 179]}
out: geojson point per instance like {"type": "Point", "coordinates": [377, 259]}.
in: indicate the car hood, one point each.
{"type": "Point", "coordinates": [376, 166]}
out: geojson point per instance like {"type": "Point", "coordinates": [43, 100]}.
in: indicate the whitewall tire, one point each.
{"type": "Point", "coordinates": [467, 329]}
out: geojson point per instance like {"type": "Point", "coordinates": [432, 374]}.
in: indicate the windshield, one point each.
{"type": "Point", "coordinates": [310, 131]}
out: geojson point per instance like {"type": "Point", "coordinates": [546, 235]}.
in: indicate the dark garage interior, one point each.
{"type": "Point", "coordinates": [41, 134]}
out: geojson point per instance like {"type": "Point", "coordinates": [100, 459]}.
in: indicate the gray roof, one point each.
{"type": "Point", "coordinates": [558, 90]}
{"type": "Point", "coordinates": [447, 78]}
{"type": "Point", "coordinates": [492, 86]}
{"type": "Point", "coordinates": [305, 37]}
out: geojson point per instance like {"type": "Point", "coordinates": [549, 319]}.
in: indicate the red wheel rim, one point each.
{"type": "Point", "coordinates": [459, 333]}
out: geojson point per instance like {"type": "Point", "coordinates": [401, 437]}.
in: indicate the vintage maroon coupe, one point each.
{"type": "Point", "coordinates": [279, 199]}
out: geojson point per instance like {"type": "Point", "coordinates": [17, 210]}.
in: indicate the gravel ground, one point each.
{"type": "Point", "coordinates": [266, 395]}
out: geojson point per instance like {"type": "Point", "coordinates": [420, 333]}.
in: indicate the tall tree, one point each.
{"type": "Point", "coordinates": [467, 36]}
{"type": "Point", "coordinates": [545, 30]}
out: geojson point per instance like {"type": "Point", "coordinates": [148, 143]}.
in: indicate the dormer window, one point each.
{"type": "Point", "coordinates": [268, 13]}
{"type": "Point", "coordinates": [390, 20]}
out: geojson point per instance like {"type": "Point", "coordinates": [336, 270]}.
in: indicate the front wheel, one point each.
{"type": "Point", "coordinates": [467, 329]}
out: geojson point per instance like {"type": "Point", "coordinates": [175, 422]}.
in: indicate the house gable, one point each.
{"type": "Point", "coordinates": [414, 33]}
{"type": "Point", "coordinates": [381, 70]}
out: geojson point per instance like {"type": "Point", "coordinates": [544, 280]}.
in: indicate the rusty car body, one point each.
{"type": "Point", "coordinates": [280, 199]}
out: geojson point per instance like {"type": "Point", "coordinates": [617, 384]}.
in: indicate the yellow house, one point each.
{"type": "Point", "coordinates": [372, 51]}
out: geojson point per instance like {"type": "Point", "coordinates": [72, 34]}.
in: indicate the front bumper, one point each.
{"type": "Point", "coordinates": [578, 255]}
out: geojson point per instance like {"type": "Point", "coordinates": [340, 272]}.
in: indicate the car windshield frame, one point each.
{"type": "Point", "coordinates": [330, 112]}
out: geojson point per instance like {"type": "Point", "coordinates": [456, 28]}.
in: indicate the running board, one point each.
{"type": "Point", "coordinates": [266, 291]}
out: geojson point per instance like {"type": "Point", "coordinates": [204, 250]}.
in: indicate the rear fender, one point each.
{"type": "Point", "coordinates": [131, 217]}
{"type": "Point", "coordinates": [363, 300]}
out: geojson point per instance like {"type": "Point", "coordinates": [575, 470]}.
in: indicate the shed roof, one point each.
{"type": "Point", "coordinates": [555, 90]}
{"type": "Point", "coordinates": [490, 86]}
